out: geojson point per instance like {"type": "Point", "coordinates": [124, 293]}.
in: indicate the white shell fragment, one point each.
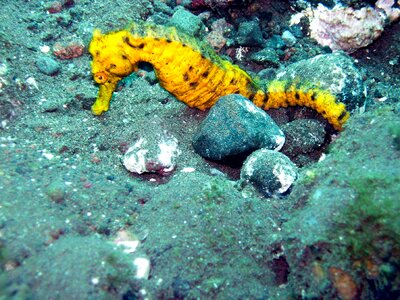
{"type": "Point", "coordinates": [152, 155]}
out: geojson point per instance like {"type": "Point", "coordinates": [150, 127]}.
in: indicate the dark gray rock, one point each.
{"type": "Point", "coordinates": [249, 34]}
{"type": "Point", "coordinates": [271, 172]}
{"type": "Point", "coordinates": [303, 136]}
{"type": "Point", "coordinates": [47, 65]}
{"type": "Point", "coordinates": [234, 127]}
{"type": "Point", "coordinates": [335, 72]}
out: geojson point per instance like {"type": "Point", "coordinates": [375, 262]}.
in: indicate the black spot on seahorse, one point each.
{"type": "Point", "coordinates": [265, 102]}
{"type": "Point", "coordinates": [186, 76]}
{"type": "Point", "coordinates": [194, 84]}
{"type": "Point", "coordinates": [128, 41]}
{"type": "Point", "coordinates": [313, 96]}
{"type": "Point", "coordinates": [297, 96]}
{"type": "Point", "coordinates": [342, 115]}
{"type": "Point", "coordinates": [205, 74]}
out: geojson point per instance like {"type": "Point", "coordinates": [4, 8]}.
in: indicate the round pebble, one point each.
{"type": "Point", "coordinates": [56, 191]}
{"type": "Point", "coordinates": [271, 172]}
{"type": "Point", "coordinates": [47, 65]}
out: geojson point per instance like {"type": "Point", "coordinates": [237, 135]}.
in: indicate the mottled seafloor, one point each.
{"type": "Point", "coordinates": [65, 195]}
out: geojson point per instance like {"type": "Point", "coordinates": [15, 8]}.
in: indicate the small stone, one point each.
{"type": "Point", "coordinates": [271, 172]}
{"type": "Point", "coordinates": [47, 65]}
{"type": "Point", "coordinates": [180, 288]}
{"type": "Point", "coordinates": [216, 37]}
{"type": "Point", "coordinates": [303, 136]}
{"type": "Point", "coordinates": [56, 191]}
{"type": "Point", "coordinates": [186, 21]}
{"type": "Point", "coordinates": [142, 265]}
{"type": "Point", "coordinates": [266, 56]}
{"type": "Point", "coordinates": [289, 39]}
{"type": "Point", "coordinates": [152, 155]}
{"type": "Point", "coordinates": [249, 34]}
{"type": "Point", "coordinates": [236, 127]}
{"type": "Point", "coordinates": [55, 7]}
{"type": "Point", "coordinates": [275, 42]}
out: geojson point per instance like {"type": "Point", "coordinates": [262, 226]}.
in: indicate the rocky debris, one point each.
{"type": "Point", "coordinates": [249, 34]}
{"type": "Point", "coordinates": [334, 72]}
{"type": "Point", "coordinates": [235, 127]}
{"type": "Point", "coordinates": [221, 4]}
{"type": "Point", "coordinates": [271, 172]}
{"type": "Point", "coordinates": [186, 21]}
{"type": "Point", "coordinates": [152, 154]}
{"type": "Point", "coordinates": [47, 65]}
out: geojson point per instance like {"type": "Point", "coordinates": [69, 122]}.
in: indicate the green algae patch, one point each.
{"type": "Point", "coordinates": [346, 217]}
{"type": "Point", "coordinates": [74, 268]}
{"type": "Point", "coordinates": [372, 221]}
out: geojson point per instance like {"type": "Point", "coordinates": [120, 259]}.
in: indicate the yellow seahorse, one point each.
{"type": "Point", "coordinates": [194, 73]}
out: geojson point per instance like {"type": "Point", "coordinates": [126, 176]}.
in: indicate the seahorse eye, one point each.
{"type": "Point", "coordinates": [100, 77]}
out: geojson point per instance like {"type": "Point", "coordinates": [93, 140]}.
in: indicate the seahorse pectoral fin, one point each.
{"type": "Point", "coordinates": [103, 99]}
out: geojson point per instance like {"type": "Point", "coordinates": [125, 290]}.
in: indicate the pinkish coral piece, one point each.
{"type": "Point", "coordinates": [72, 50]}
{"type": "Point", "coordinates": [348, 29]}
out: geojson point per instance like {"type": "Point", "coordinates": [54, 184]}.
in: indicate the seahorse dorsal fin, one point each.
{"type": "Point", "coordinates": [97, 33]}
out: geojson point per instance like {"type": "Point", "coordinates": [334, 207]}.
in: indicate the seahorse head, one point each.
{"type": "Point", "coordinates": [110, 62]}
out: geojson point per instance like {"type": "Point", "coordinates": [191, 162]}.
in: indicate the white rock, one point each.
{"type": "Point", "coordinates": [143, 267]}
